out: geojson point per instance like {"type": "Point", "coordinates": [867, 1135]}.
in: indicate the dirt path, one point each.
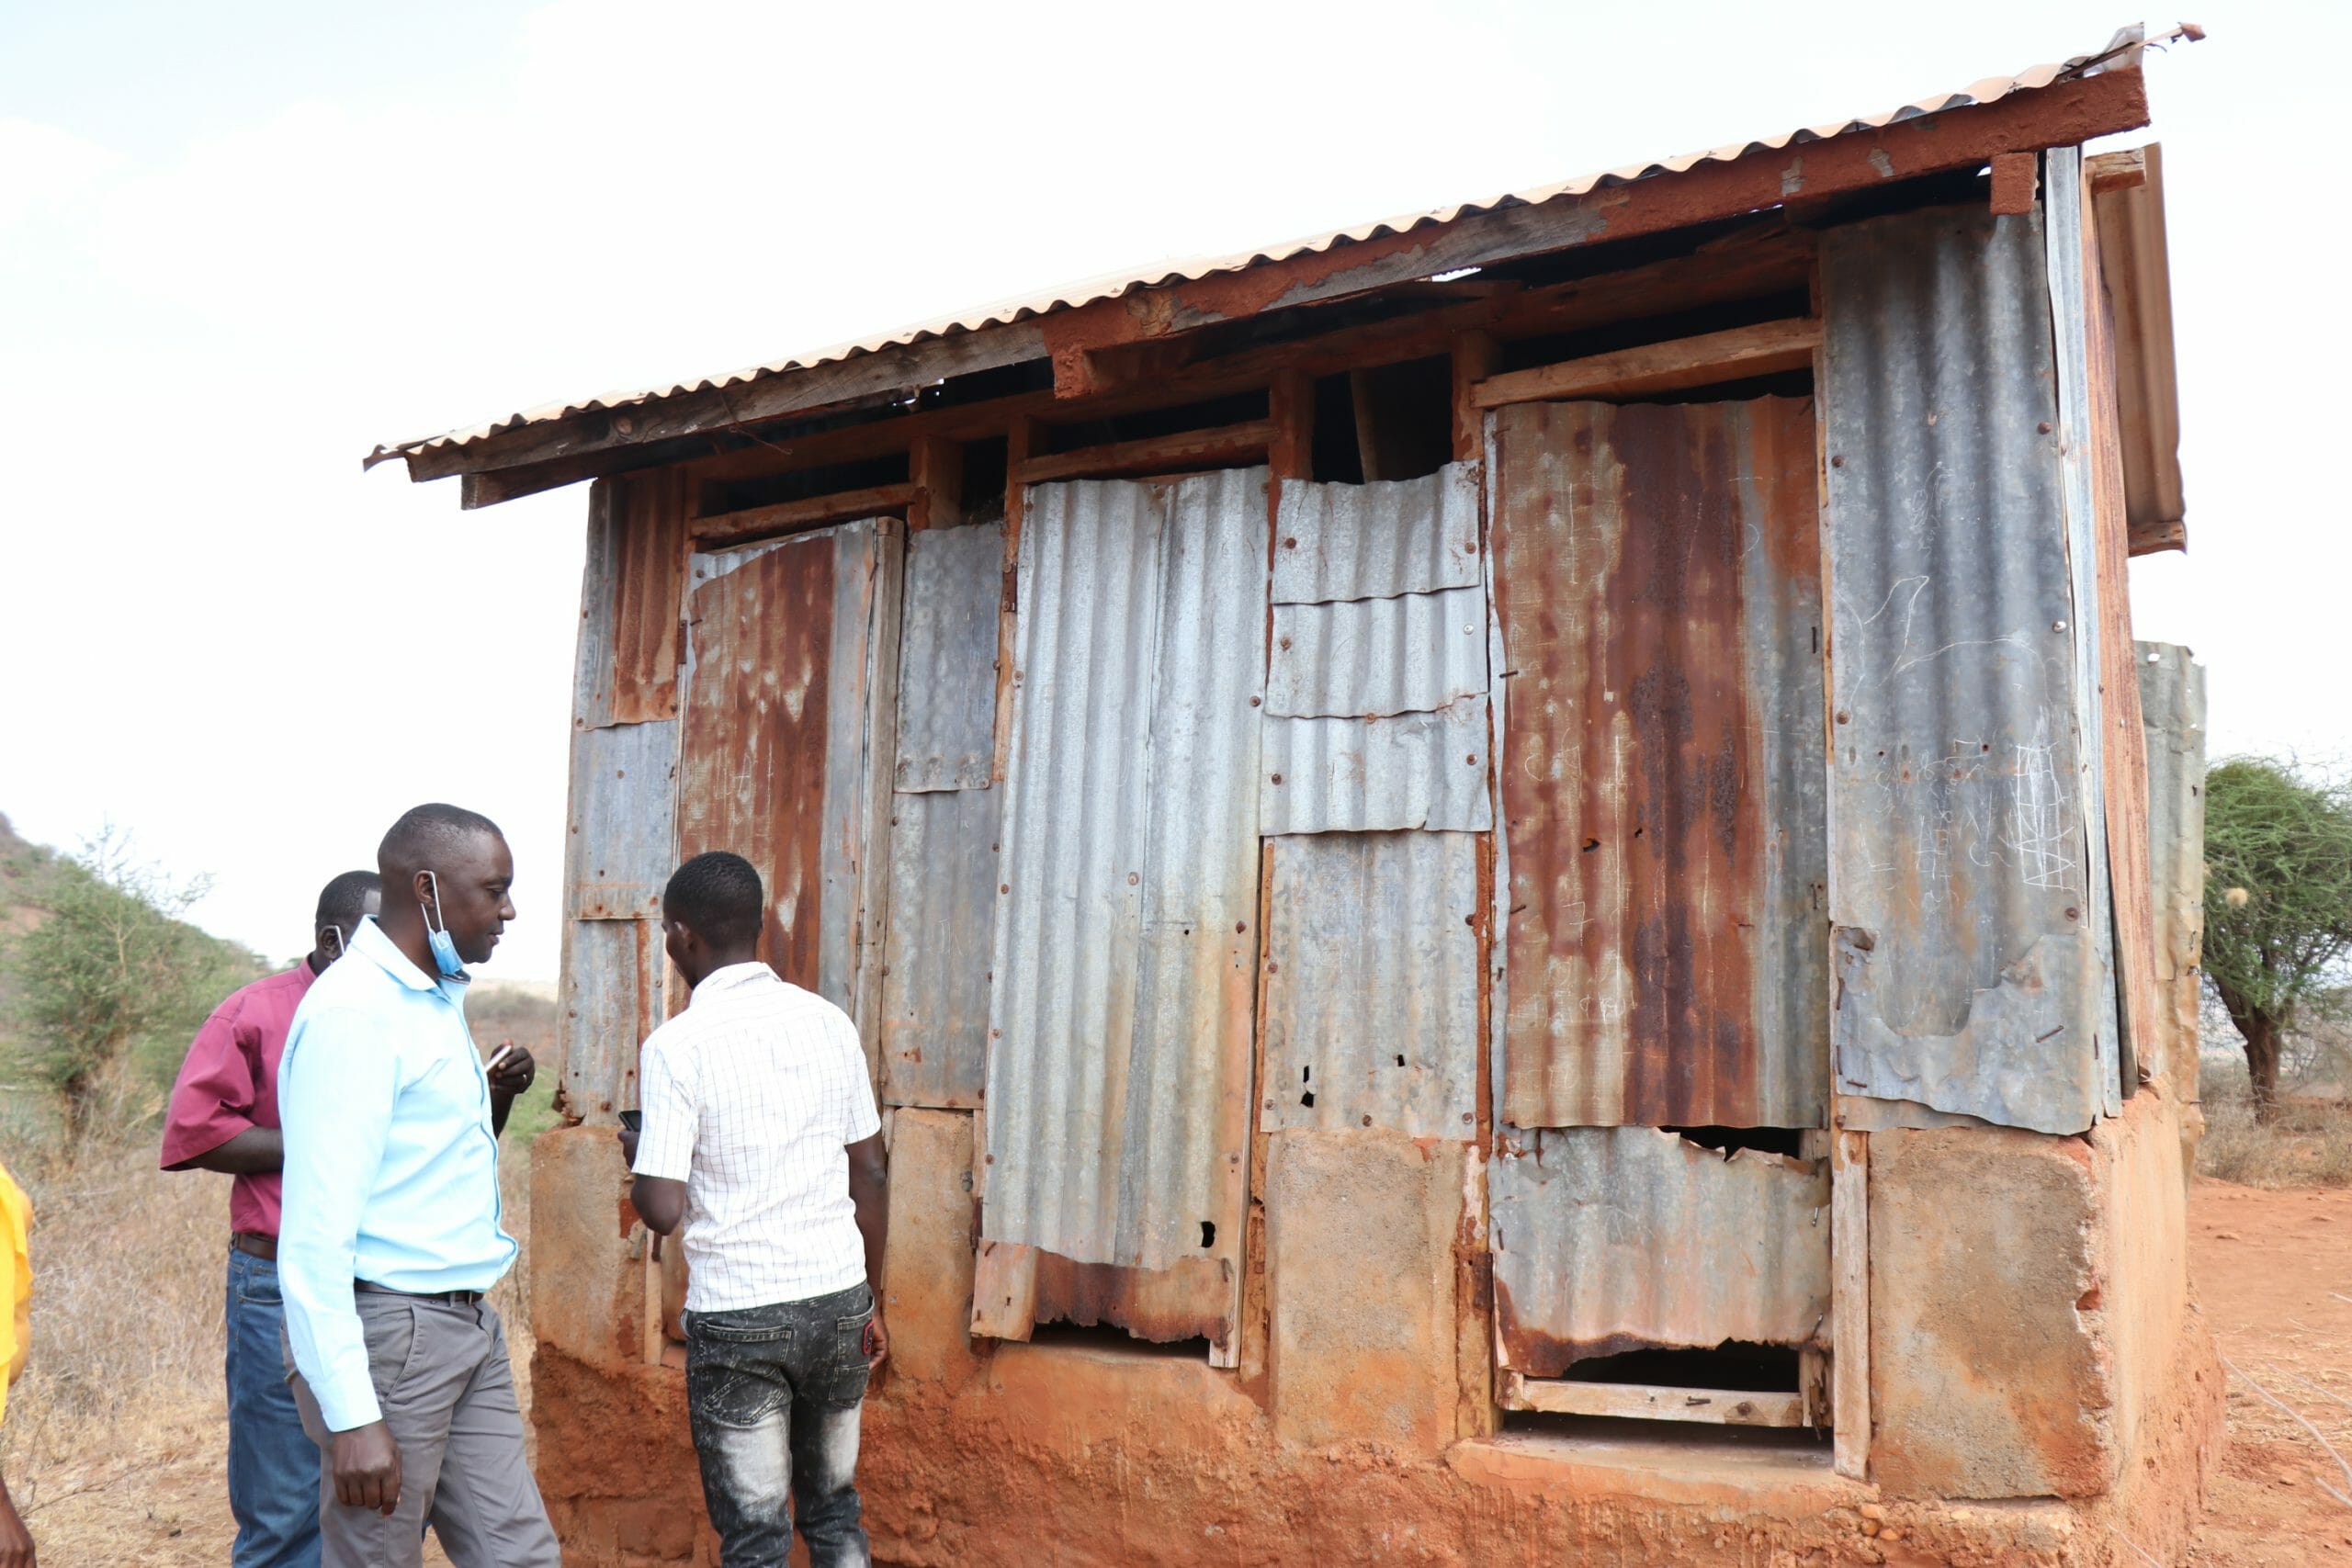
{"type": "Point", "coordinates": [2273, 1270]}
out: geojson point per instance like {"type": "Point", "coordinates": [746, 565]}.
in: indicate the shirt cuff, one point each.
{"type": "Point", "coordinates": [347, 1403]}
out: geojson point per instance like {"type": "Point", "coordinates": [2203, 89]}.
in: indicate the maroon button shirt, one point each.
{"type": "Point", "coordinates": [229, 1083]}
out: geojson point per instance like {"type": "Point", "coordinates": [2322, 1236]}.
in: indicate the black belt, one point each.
{"type": "Point", "coordinates": [451, 1298]}
{"type": "Point", "coordinates": [253, 1244]}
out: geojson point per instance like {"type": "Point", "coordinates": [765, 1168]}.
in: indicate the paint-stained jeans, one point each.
{"type": "Point", "coordinates": [773, 1393]}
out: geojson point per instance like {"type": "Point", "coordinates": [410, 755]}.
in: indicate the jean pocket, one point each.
{"type": "Point", "coordinates": [845, 1382]}
{"type": "Point", "coordinates": [719, 1331]}
{"type": "Point", "coordinates": [258, 1285]}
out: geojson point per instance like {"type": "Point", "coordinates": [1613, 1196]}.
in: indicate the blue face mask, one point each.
{"type": "Point", "coordinates": [438, 937]}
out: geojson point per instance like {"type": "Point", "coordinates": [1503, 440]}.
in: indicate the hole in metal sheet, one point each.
{"type": "Point", "coordinates": [1729, 1141]}
{"type": "Point", "coordinates": [1400, 1061]}
{"type": "Point", "coordinates": [1308, 1099]}
{"type": "Point", "coordinates": [1208, 1233]}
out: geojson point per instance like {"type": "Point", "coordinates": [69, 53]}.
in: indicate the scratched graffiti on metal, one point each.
{"type": "Point", "coordinates": [1971, 978]}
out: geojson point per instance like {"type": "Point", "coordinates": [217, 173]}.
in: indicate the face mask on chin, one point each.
{"type": "Point", "coordinates": [438, 937]}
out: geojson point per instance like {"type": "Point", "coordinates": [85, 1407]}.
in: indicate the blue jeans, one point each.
{"type": "Point", "coordinates": [772, 1397]}
{"type": "Point", "coordinates": [273, 1464]}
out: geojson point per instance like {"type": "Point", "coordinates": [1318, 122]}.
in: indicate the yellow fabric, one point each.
{"type": "Point", "coordinates": [16, 1282]}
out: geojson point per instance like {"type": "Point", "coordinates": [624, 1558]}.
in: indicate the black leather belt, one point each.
{"type": "Point", "coordinates": [253, 1244]}
{"type": "Point", "coordinates": [451, 1298]}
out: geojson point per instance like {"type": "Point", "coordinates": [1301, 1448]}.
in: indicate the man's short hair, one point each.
{"type": "Point", "coordinates": [426, 835]}
{"type": "Point", "coordinates": [342, 901]}
{"type": "Point", "coordinates": [717, 897]}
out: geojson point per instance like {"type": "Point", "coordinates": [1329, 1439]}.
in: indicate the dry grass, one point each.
{"type": "Point", "coordinates": [2310, 1144]}
{"type": "Point", "coordinates": [114, 1445]}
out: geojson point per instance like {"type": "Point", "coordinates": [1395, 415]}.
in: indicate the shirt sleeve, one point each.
{"type": "Point", "coordinates": [214, 1098]}
{"type": "Point", "coordinates": [667, 1095]}
{"type": "Point", "coordinates": [336, 1088]}
{"type": "Point", "coordinates": [863, 1119]}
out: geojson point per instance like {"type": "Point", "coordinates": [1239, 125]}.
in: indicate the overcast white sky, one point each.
{"type": "Point", "coordinates": [241, 243]}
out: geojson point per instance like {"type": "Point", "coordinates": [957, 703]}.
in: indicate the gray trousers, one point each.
{"type": "Point", "coordinates": [448, 1393]}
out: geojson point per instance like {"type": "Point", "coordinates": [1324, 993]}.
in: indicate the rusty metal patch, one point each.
{"type": "Point", "coordinates": [1659, 585]}
{"type": "Point", "coordinates": [1371, 990]}
{"type": "Point", "coordinates": [1608, 1239]}
{"type": "Point", "coordinates": [630, 591]}
{"type": "Point", "coordinates": [752, 775]}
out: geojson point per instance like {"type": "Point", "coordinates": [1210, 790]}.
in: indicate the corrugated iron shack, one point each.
{"type": "Point", "coordinates": [1506, 872]}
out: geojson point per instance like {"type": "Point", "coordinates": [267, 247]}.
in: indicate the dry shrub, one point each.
{"type": "Point", "coordinates": [2309, 1144]}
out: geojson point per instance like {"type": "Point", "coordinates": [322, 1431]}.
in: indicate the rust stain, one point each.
{"type": "Point", "coordinates": [1191, 1300]}
{"type": "Point", "coordinates": [752, 773]}
{"type": "Point", "coordinates": [1633, 767]}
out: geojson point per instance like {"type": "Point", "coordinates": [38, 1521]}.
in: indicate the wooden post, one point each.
{"type": "Point", "coordinates": [1290, 403]}
{"type": "Point", "coordinates": [937, 466]}
{"type": "Point", "coordinates": [1019, 437]}
{"type": "Point", "coordinates": [1475, 356]}
{"type": "Point", "coordinates": [1850, 1297]}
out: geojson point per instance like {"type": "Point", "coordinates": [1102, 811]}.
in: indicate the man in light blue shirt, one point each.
{"type": "Point", "coordinates": [391, 1229]}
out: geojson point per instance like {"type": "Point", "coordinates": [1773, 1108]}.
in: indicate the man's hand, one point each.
{"type": "Point", "coordinates": [367, 1467]}
{"type": "Point", "coordinates": [15, 1542]}
{"type": "Point", "coordinates": [877, 1338]}
{"type": "Point", "coordinates": [513, 1074]}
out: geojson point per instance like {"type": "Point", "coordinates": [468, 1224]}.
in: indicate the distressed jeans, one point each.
{"type": "Point", "coordinates": [773, 1395]}
{"type": "Point", "coordinates": [273, 1465]}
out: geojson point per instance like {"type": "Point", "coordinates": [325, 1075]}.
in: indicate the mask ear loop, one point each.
{"type": "Point", "coordinates": [340, 946]}
{"type": "Point", "coordinates": [436, 924]}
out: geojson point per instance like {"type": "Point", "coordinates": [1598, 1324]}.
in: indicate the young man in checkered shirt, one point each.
{"type": "Point", "coordinates": [761, 1137]}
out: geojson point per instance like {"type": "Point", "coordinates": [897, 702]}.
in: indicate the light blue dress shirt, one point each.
{"type": "Point", "coordinates": [391, 1166]}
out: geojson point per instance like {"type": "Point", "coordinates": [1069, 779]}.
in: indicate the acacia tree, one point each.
{"type": "Point", "coordinates": [108, 966]}
{"type": "Point", "coordinates": [2277, 903]}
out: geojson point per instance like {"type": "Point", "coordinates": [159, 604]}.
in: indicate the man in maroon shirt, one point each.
{"type": "Point", "coordinates": [223, 1117]}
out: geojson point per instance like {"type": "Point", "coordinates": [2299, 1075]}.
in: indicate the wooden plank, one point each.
{"type": "Point", "coordinates": [727, 529]}
{"type": "Point", "coordinates": [1849, 1302]}
{"type": "Point", "coordinates": [1475, 356]}
{"type": "Point", "coordinates": [1735, 355]}
{"type": "Point", "coordinates": [1716, 1406]}
{"type": "Point", "coordinates": [1290, 403]}
{"type": "Point", "coordinates": [2015, 177]}
{"type": "Point", "coordinates": [2123, 170]}
{"type": "Point", "coordinates": [936, 466]}
{"type": "Point", "coordinates": [1225, 447]}
{"type": "Point", "coordinates": [1019, 437]}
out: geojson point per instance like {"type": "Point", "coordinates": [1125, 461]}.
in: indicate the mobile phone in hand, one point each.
{"type": "Point", "coordinates": [633, 1121]}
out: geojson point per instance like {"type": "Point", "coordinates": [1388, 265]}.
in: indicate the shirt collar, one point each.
{"type": "Point", "coordinates": [733, 977]}
{"type": "Point", "coordinates": [370, 941]}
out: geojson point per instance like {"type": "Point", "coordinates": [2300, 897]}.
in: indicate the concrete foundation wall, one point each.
{"type": "Point", "coordinates": [2068, 1366]}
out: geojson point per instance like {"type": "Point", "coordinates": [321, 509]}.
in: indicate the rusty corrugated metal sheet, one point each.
{"type": "Point", "coordinates": [1124, 966]}
{"type": "Point", "coordinates": [940, 942]}
{"type": "Point", "coordinates": [1608, 1239]}
{"type": "Point", "coordinates": [1657, 577]}
{"type": "Point", "coordinates": [609, 999]}
{"type": "Point", "coordinates": [631, 589]}
{"type": "Point", "coordinates": [2122, 51]}
{"type": "Point", "coordinates": [1969, 977]}
{"type": "Point", "coordinates": [623, 841]}
{"type": "Point", "coordinates": [947, 659]}
{"type": "Point", "coordinates": [1371, 989]}
{"type": "Point", "coordinates": [1375, 658]}
{"type": "Point", "coordinates": [786, 670]}
{"type": "Point", "coordinates": [1373, 541]}
{"type": "Point", "coordinates": [2172, 707]}
{"type": "Point", "coordinates": [1369, 775]}
{"type": "Point", "coordinates": [752, 771]}
{"type": "Point", "coordinates": [2137, 269]}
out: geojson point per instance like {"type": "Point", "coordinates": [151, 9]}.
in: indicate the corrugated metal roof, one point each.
{"type": "Point", "coordinates": [1970, 974]}
{"type": "Point", "coordinates": [1658, 577]}
{"type": "Point", "coordinates": [1372, 658]}
{"type": "Point", "coordinates": [1608, 1239]}
{"type": "Point", "coordinates": [2172, 707]}
{"type": "Point", "coordinates": [1126, 964]}
{"type": "Point", "coordinates": [1372, 998]}
{"type": "Point", "coordinates": [1372, 541]}
{"type": "Point", "coordinates": [1114, 286]}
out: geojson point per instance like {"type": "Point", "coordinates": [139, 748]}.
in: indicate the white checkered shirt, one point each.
{"type": "Point", "coordinates": [751, 1097]}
